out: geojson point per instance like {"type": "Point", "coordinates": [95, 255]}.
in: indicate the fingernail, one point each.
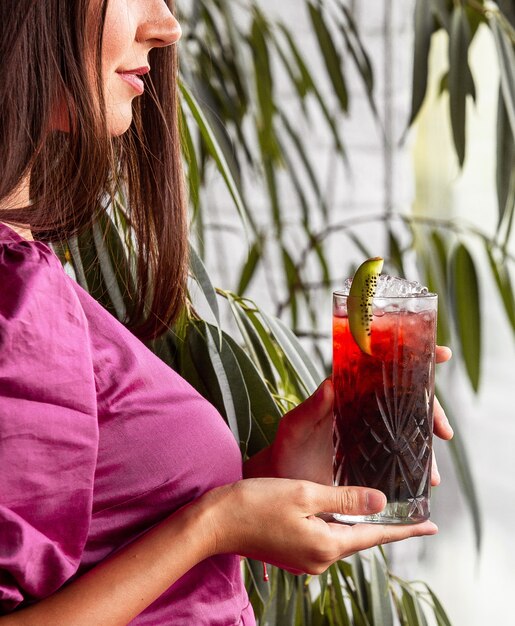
{"type": "Point", "coordinates": [375, 501]}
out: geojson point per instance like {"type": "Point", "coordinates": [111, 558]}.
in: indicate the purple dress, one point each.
{"type": "Point", "coordinates": [99, 441]}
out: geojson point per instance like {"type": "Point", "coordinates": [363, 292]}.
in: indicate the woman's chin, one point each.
{"type": "Point", "coordinates": [119, 119]}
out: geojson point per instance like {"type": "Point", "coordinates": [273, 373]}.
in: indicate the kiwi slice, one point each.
{"type": "Point", "coordinates": [359, 304]}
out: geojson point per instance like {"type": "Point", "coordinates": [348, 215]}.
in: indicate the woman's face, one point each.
{"type": "Point", "coordinates": [132, 28]}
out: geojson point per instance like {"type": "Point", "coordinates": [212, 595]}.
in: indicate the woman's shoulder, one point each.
{"type": "Point", "coordinates": [44, 334]}
{"type": "Point", "coordinates": [17, 252]}
{"type": "Point", "coordinates": [34, 288]}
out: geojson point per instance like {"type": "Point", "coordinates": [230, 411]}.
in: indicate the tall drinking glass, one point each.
{"type": "Point", "coordinates": [384, 405]}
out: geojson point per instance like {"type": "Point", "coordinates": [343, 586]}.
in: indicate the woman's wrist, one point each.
{"type": "Point", "coordinates": [118, 589]}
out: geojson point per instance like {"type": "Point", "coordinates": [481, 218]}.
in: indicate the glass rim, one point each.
{"type": "Point", "coordinates": [413, 296]}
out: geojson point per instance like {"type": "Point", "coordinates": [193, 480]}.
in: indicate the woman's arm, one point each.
{"type": "Point", "coordinates": [117, 590]}
{"type": "Point", "coordinates": [269, 519]}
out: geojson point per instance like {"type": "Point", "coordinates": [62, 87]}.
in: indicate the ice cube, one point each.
{"type": "Point", "coordinates": [392, 287]}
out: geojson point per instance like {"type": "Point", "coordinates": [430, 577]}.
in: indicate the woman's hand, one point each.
{"type": "Point", "coordinates": [441, 426]}
{"type": "Point", "coordinates": [303, 447]}
{"type": "Point", "coordinates": [274, 520]}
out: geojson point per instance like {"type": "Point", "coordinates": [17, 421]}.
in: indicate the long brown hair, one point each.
{"type": "Point", "coordinates": [45, 49]}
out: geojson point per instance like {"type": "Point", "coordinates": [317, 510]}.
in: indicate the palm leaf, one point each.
{"type": "Point", "coordinates": [467, 311]}
{"type": "Point", "coordinates": [459, 41]}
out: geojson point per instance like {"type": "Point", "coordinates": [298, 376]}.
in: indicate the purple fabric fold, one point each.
{"type": "Point", "coordinates": [99, 441]}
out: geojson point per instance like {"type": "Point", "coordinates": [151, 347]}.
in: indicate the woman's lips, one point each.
{"type": "Point", "coordinates": [132, 77]}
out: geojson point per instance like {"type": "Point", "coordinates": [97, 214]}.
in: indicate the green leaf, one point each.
{"type": "Point", "coordinates": [333, 63]}
{"type": "Point", "coordinates": [420, 611]}
{"type": "Point", "coordinates": [361, 582]}
{"type": "Point", "coordinates": [235, 55]}
{"type": "Point", "coordinates": [187, 368]}
{"type": "Point", "coordinates": [250, 266]}
{"type": "Point", "coordinates": [257, 588]}
{"type": "Point", "coordinates": [381, 605]}
{"type": "Point", "coordinates": [217, 154]}
{"type": "Point", "coordinates": [459, 41]}
{"type": "Point", "coordinates": [113, 263]}
{"type": "Point", "coordinates": [440, 614]}
{"type": "Point", "coordinates": [318, 249]}
{"type": "Point", "coordinates": [502, 279]}
{"type": "Point", "coordinates": [435, 262]}
{"type": "Point", "coordinates": [253, 343]}
{"type": "Point", "coordinates": [399, 608]}
{"type": "Point", "coordinates": [272, 188]}
{"type": "Point", "coordinates": [506, 56]}
{"type": "Point", "coordinates": [222, 377]}
{"type": "Point", "coordinates": [286, 595]}
{"type": "Point", "coordinates": [273, 349]}
{"type": "Point", "coordinates": [340, 608]}
{"type": "Point", "coordinates": [505, 170]}
{"type": "Point", "coordinates": [201, 276]}
{"type": "Point", "coordinates": [440, 255]}
{"type": "Point", "coordinates": [291, 169]}
{"type": "Point", "coordinates": [360, 612]}
{"type": "Point", "coordinates": [101, 266]}
{"type": "Point", "coordinates": [302, 152]}
{"type": "Point", "coordinates": [263, 409]}
{"type": "Point", "coordinates": [190, 155]}
{"type": "Point", "coordinates": [311, 85]}
{"type": "Point", "coordinates": [307, 373]}
{"type": "Point", "coordinates": [467, 311]}
{"type": "Point", "coordinates": [360, 56]}
{"type": "Point", "coordinates": [441, 10]}
{"type": "Point", "coordinates": [470, 87]}
{"type": "Point", "coordinates": [323, 581]}
{"type": "Point", "coordinates": [293, 283]}
{"type": "Point", "coordinates": [110, 270]}
{"type": "Point", "coordinates": [410, 608]}
{"type": "Point", "coordinates": [359, 53]}
{"type": "Point", "coordinates": [76, 261]}
{"type": "Point", "coordinates": [424, 28]}
{"type": "Point", "coordinates": [264, 83]}
{"type": "Point", "coordinates": [462, 465]}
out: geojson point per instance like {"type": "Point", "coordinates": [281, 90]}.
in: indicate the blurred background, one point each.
{"type": "Point", "coordinates": [386, 190]}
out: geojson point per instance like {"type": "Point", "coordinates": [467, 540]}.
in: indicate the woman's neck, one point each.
{"type": "Point", "coordinates": [16, 200]}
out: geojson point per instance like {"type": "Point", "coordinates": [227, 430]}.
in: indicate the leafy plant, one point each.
{"type": "Point", "coordinates": [252, 366]}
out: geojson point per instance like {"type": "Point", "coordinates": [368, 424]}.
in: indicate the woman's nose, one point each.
{"type": "Point", "coordinates": [159, 27]}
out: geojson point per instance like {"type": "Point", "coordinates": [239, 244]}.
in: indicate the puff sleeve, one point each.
{"type": "Point", "coordinates": [48, 425]}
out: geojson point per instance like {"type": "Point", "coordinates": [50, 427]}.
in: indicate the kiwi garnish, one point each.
{"type": "Point", "coordinates": [359, 303]}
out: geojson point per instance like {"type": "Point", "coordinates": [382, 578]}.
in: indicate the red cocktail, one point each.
{"type": "Point", "coordinates": [384, 405]}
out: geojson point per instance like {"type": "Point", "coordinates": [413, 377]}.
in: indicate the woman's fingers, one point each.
{"type": "Point", "coordinates": [277, 521]}
{"type": "Point", "coordinates": [303, 445]}
{"type": "Point", "coordinates": [443, 354]}
{"type": "Point", "coordinates": [364, 536]}
{"type": "Point", "coordinates": [442, 428]}
{"type": "Point", "coordinates": [435, 474]}
{"type": "Point", "coordinates": [317, 407]}
{"type": "Point", "coordinates": [348, 500]}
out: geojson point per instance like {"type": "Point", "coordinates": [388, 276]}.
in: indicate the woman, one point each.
{"type": "Point", "coordinates": [122, 497]}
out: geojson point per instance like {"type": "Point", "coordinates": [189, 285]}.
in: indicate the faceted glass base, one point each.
{"type": "Point", "coordinates": [410, 512]}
